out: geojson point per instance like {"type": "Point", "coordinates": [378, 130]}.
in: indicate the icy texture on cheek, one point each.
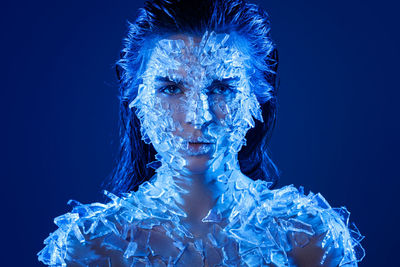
{"type": "Point", "coordinates": [223, 112]}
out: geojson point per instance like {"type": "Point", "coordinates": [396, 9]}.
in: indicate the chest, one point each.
{"type": "Point", "coordinates": [209, 245]}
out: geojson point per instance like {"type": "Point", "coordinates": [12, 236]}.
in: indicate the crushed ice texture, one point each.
{"type": "Point", "coordinates": [249, 225]}
{"type": "Point", "coordinates": [254, 226]}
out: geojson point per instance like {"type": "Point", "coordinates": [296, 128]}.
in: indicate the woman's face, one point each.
{"type": "Point", "coordinates": [195, 103]}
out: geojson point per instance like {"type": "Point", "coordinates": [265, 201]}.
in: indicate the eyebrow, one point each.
{"type": "Point", "coordinates": [167, 80]}
{"type": "Point", "coordinates": [225, 81]}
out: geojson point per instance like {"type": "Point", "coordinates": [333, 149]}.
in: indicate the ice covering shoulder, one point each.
{"type": "Point", "coordinates": [250, 225]}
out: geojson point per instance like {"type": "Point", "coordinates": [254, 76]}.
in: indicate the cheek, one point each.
{"type": "Point", "coordinates": [220, 111]}
{"type": "Point", "coordinates": [174, 108]}
{"type": "Point", "coordinates": [221, 107]}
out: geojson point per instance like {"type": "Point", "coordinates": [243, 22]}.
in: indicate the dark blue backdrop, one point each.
{"type": "Point", "coordinates": [337, 130]}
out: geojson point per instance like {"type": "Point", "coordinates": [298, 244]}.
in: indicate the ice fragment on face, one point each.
{"type": "Point", "coordinates": [201, 83]}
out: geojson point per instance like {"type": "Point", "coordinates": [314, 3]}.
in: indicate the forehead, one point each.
{"type": "Point", "coordinates": [214, 55]}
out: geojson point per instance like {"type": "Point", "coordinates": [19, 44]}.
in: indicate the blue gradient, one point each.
{"type": "Point", "coordinates": [337, 130]}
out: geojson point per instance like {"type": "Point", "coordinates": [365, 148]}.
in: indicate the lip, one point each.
{"type": "Point", "coordinates": [200, 140]}
{"type": "Point", "coordinates": [199, 148]}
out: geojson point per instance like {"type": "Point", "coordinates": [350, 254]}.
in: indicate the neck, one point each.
{"type": "Point", "coordinates": [197, 191]}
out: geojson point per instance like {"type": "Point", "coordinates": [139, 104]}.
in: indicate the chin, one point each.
{"type": "Point", "coordinates": [198, 164]}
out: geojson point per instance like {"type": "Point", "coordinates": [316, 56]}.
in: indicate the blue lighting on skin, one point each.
{"type": "Point", "coordinates": [195, 105]}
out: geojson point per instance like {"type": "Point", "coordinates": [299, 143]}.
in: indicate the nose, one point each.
{"type": "Point", "coordinates": [198, 111]}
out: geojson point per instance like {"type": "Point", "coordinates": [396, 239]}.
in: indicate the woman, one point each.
{"type": "Point", "coordinates": [198, 81]}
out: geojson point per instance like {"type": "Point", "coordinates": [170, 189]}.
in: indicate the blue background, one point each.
{"type": "Point", "coordinates": [337, 131]}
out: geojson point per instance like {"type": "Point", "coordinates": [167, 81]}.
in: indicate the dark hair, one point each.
{"type": "Point", "coordinates": [160, 17]}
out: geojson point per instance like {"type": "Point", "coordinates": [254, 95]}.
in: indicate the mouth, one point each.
{"type": "Point", "coordinates": [199, 148]}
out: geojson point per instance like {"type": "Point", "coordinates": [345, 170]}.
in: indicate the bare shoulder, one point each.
{"type": "Point", "coordinates": [313, 254]}
{"type": "Point", "coordinates": [125, 231]}
{"type": "Point", "coordinates": [321, 235]}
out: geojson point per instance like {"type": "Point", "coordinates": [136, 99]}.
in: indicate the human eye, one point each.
{"type": "Point", "coordinates": [171, 89]}
{"type": "Point", "coordinates": [220, 88]}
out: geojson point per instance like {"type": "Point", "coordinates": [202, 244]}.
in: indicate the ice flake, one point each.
{"type": "Point", "coordinates": [130, 250]}
{"type": "Point", "coordinates": [213, 215]}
